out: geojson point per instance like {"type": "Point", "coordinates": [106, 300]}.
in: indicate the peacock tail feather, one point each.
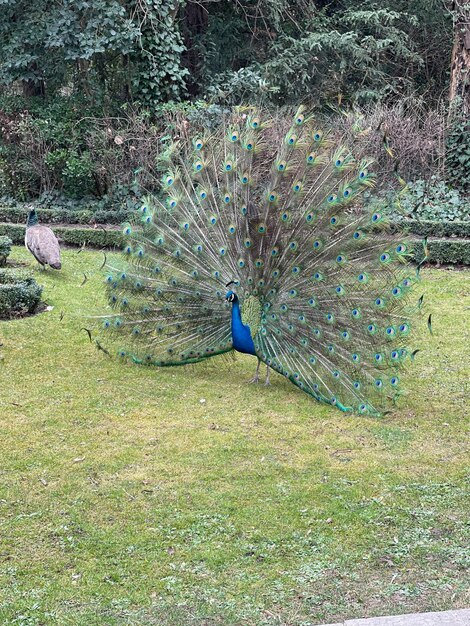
{"type": "Point", "coordinates": [326, 294]}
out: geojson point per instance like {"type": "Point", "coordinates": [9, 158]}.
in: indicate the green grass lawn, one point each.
{"type": "Point", "coordinates": [138, 496]}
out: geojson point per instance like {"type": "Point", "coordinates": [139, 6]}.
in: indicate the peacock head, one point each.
{"type": "Point", "coordinates": [231, 296]}
{"type": "Point", "coordinates": [32, 218]}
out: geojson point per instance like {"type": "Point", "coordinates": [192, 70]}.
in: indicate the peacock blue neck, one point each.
{"type": "Point", "coordinates": [241, 335]}
{"type": "Point", "coordinates": [32, 219]}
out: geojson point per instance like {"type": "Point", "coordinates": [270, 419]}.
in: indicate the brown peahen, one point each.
{"type": "Point", "coordinates": [42, 243]}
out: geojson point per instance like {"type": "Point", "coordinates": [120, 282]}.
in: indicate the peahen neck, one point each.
{"type": "Point", "coordinates": [32, 219]}
{"type": "Point", "coordinates": [241, 335]}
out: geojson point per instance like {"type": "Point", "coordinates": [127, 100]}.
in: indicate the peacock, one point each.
{"type": "Point", "coordinates": [262, 244]}
{"type": "Point", "coordinates": [42, 243]}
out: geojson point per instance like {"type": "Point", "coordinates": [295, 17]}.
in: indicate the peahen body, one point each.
{"type": "Point", "coordinates": [261, 245]}
{"type": "Point", "coordinates": [42, 243]}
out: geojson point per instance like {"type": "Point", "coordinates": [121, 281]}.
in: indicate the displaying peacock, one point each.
{"type": "Point", "coordinates": [41, 242]}
{"type": "Point", "coordinates": [261, 245]}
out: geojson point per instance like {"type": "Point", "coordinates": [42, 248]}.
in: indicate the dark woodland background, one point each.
{"type": "Point", "coordinates": [90, 91]}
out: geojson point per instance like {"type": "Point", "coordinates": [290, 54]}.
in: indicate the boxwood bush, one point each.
{"type": "Point", "coordinates": [5, 249]}
{"type": "Point", "coordinates": [59, 215]}
{"type": "Point", "coordinates": [93, 237]}
{"type": "Point", "coordinates": [444, 251]}
{"type": "Point", "coordinates": [19, 293]}
{"type": "Point", "coordinates": [432, 228]}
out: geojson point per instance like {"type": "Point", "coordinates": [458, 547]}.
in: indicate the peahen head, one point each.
{"type": "Point", "coordinates": [231, 296]}
{"type": "Point", "coordinates": [32, 218]}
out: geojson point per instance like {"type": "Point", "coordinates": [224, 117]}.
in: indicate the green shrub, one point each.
{"type": "Point", "coordinates": [18, 215]}
{"type": "Point", "coordinates": [66, 145]}
{"type": "Point", "coordinates": [78, 175]}
{"type": "Point", "coordinates": [5, 249]}
{"type": "Point", "coordinates": [427, 228]}
{"type": "Point", "coordinates": [434, 200]}
{"type": "Point", "coordinates": [444, 251]}
{"type": "Point", "coordinates": [19, 293]}
{"type": "Point", "coordinates": [458, 155]}
{"type": "Point", "coordinates": [94, 238]}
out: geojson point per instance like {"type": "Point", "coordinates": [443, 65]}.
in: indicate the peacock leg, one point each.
{"type": "Point", "coordinates": [267, 382]}
{"type": "Point", "coordinates": [255, 378]}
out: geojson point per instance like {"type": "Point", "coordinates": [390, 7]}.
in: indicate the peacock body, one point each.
{"type": "Point", "coordinates": [261, 245]}
{"type": "Point", "coordinates": [42, 243]}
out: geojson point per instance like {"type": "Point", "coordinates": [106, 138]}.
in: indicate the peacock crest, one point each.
{"type": "Point", "coordinates": [320, 293]}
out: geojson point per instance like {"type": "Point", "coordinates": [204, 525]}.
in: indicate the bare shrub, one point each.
{"type": "Point", "coordinates": [112, 156]}
{"type": "Point", "coordinates": [415, 137]}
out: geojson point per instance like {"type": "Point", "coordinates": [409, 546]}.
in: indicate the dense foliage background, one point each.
{"type": "Point", "coordinates": [90, 89]}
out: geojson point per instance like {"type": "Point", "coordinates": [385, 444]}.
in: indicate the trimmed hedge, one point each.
{"type": "Point", "coordinates": [453, 251]}
{"type": "Point", "coordinates": [439, 250]}
{"type": "Point", "coordinates": [5, 249]}
{"type": "Point", "coordinates": [427, 228]}
{"type": "Point", "coordinates": [18, 215]}
{"type": "Point", "coordinates": [19, 293]}
{"type": "Point", "coordinates": [93, 237]}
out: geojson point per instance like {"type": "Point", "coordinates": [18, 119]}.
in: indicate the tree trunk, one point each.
{"type": "Point", "coordinates": [33, 86]}
{"type": "Point", "coordinates": [459, 94]}
{"type": "Point", "coordinates": [194, 24]}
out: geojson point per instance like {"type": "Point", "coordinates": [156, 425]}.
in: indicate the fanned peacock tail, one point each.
{"type": "Point", "coordinates": [325, 293]}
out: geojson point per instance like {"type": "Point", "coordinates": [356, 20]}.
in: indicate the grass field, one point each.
{"type": "Point", "coordinates": [137, 496]}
